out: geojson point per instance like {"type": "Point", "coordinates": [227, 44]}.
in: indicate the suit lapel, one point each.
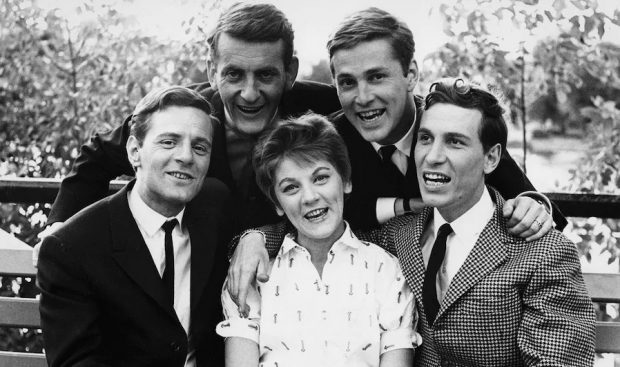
{"type": "Point", "coordinates": [130, 251]}
{"type": "Point", "coordinates": [409, 251]}
{"type": "Point", "coordinates": [203, 236]}
{"type": "Point", "coordinates": [488, 253]}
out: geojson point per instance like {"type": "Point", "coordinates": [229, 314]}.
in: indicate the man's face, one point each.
{"type": "Point", "coordinates": [173, 159]}
{"type": "Point", "coordinates": [450, 159]}
{"type": "Point", "coordinates": [251, 78]}
{"type": "Point", "coordinates": [375, 94]}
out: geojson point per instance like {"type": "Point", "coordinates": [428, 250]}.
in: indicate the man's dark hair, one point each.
{"type": "Point", "coordinates": [465, 94]}
{"type": "Point", "coordinates": [160, 99]}
{"type": "Point", "coordinates": [254, 23]}
{"type": "Point", "coordinates": [373, 24]}
{"type": "Point", "coordinates": [305, 139]}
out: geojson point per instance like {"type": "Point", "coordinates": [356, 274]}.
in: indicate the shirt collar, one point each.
{"type": "Point", "coordinates": [471, 223]}
{"type": "Point", "coordinates": [403, 145]}
{"type": "Point", "coordinates": [148, 219]}
{"type": "Point", "coordinates": [347, 239]}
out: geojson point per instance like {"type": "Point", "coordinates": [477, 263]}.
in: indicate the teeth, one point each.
{"type": "Point", "coordinates": [435, 179]}
{"type": "Point", "coordinates": [247, 109]}
{"type": "Point", "coordinates": [314, 214]}
{"type": "Point", "coordinates": [371, 115]}
{"type": "Point", "coordinates": [181, 176]}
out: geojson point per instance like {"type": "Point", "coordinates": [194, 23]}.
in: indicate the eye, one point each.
{"type": "Point", "coordinates": [377, 77]}
{"type": "Point", "coordinates": [346, 83]}
{"type": "Point", "coordinates": [455, 141]}
{"type": "Point", "coordinates": [266, 75]}
{"type": "Point", "coordinates": [290, 189]}
{"type": "Point", "coordinates": [424, 138]}
{"type": "Point", "coordinates": [233, 75]}
{"type": "Point", "coordinates": [321, 179]}
{"type": "Point", "coordinates": [201, 149]}
{"type": "Point", "coordinates": [167, 143]}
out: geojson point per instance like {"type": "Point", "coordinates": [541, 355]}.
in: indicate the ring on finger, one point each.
{"type": "Point", "coordinates": [538, 223]}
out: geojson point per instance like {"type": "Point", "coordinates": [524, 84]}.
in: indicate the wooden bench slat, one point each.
{"type": "Point", "coordinates": [607, 337]}
{"type": "Point", "coordinates": [16, 256]}
{"type": "Point", "coordinates": [19, 312]}
{"type": "Point", "coordinates": [17, 359]}
{"type": "Point", "coordinates": [603, 287]}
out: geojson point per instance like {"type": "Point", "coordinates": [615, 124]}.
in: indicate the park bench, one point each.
{"type": "Point", "coordinates": [16, 260]}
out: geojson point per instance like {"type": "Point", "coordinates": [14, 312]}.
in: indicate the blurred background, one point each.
{"type": "Point", "coordinates": [70, 68]}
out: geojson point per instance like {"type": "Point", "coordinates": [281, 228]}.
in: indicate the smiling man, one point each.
{"type": "Point", "coordinates": [485, 297]}
{"type": "Point", "coordinates": [252, 71]}
{"type": "Point", "coordinates": [133, 279]}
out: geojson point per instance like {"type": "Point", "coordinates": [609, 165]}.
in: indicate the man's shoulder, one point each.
{"type": "Point", "coordinates": [308, 96]}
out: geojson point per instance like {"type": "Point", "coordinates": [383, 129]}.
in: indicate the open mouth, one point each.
{"type": "Point", "coordinates": [180, 175]}
{"type": "Point", "coordinates": [316, 214]}
{"type": "Point", "coordinates": [250, 109]}
{"type": "Point", "coordinates": [435, 179]}
{"type": "Point", "coordinates": [371, 115]}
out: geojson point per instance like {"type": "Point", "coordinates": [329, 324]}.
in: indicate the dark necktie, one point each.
{"type": "Point", "coordinates": [429, 289]}
{"type": "Point", "coordinates": [168, 276]}
{"type": "Point", "coordinates": [392, 172]}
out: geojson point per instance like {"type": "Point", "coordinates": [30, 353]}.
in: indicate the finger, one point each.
{"type": "Point", "coordinates": [262, 273]}
{"type": "Point", "coordinates": [527, 225]}
{"type": "Point", "coordinates": [35, 254]}
{"type": "Point", "coordinates": [508, 208]}
{"type": "Point", "coordinates": [546, 224]}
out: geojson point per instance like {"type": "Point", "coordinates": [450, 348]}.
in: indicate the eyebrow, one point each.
{"type": "Point", "coordinates": [287, 179]}
{"type": "Point", "coordinates": [448, 134]}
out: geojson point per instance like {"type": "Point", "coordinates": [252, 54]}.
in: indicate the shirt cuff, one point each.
{"type": "Point", "coordinates": [385, 209]}
{"type": "Point", "coordinates": [242, 328]}
{"type": "Point", "coordinates": [404, 338]}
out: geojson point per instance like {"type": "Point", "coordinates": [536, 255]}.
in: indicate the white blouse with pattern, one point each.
{"type": "Point", "coordinates": [360, 308]}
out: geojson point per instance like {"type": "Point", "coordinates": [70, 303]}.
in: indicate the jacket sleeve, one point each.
{"type": "Point", "coordinates": [101, 160]}
{"type": "Point", "coordinates": [557, 328]}
{"type": "Point", "coordinates": [510, 181]}
{"type": "Point", "coordinates": [69, 312]}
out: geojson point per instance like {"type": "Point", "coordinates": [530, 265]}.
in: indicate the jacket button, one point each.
{"type": "Point", "coordinates": [175, 347]}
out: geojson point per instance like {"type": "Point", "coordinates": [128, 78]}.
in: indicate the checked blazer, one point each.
{"type": "Point", "coordinates": [512, 303]}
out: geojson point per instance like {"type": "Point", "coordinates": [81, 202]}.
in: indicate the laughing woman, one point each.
{"type": "Point", "coordinates": [331, 299]}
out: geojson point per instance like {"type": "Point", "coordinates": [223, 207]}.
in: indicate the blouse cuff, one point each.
{"type": "Point", "coordinates": [399, 339]}
{"type": "Point", "coordinates": [242, 328]}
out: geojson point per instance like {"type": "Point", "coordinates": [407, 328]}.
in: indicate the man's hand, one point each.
{"type": "Point", "coordinates": [527, 218]}
{"type": "Point", "coordinates": [44, 233]}
{"type": "Point", "coordinates": [250, 262]}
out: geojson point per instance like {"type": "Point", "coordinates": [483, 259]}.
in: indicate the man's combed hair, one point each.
{"type": "Point", "coordinates": [373, 24]}
{"type": "Point", "coordinates": [160, 99]}
{"type": "Point", "coordinates": [305, 140]}
{"type": "Point", "coordinates": [465, 94]}
{"type": "Point", "coordinates": [254, 23]}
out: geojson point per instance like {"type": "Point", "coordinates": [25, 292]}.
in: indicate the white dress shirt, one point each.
{"type": "Point", "coordinates": [466, 230]}
{"type": "Point", "coordinates": [385, 206]}
{"type": "Point", "coordinates": [360, 308]}
{"type": "Point", "coordinates": [149, 222]}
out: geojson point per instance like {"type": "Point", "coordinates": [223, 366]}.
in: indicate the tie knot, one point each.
{"type": "Point", "coordinates": [169, 225]}
{"type": "Point", "coordinates": [444, 230]}
{"type": "Point", "coordinates": [386, 152]}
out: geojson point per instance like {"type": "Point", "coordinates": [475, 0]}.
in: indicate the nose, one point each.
{"type": "Point", "coordinates": [364, 94]}
{"type": "Point", "coordinates": [250, 93]}
{"type": "Point", "coordinates": [184, 153]}
{"type": "Point", "coordinates": [309, 195]}
{"type": "Point", "coordinates": [436, 153]}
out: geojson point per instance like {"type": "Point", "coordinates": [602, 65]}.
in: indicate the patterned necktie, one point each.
{"type": "Point", "coordinates": [168, 277]}
{"type": "Point", "coordinates": [429, 289]}
{"type": "Point", "coordinates": [391, 170]}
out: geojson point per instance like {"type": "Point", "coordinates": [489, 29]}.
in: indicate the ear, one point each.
{"type": "Point", "coordinates": [492, 158]}
{"type": "Point", "coordinates": [291, 72]}
{"type": "Point", "coordinates": [211, 71]}
{"type": "Point", "coordinates": [413, 75]}
{"type": "Point", "coordinates": [133, 152]}
{"type": "Point", "coordinates": [348, 187]}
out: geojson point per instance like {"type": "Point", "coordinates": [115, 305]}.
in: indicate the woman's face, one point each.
{"type": "Point", "coordinates": [311, 194]}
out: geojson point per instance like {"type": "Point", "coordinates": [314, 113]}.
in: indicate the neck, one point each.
{"type": "Point", "coordinates": [319, 247]}
{"type": "Point", "coordinates": [453, 212]}
{"type": "Point", "coordinates": [166, 209]}
{"type": "Point", "coordinates": [404, 124]}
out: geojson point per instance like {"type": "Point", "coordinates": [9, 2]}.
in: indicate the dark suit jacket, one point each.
{"type": "Point", "coordinates": [370, 182]}
{"type": "Point", "coordinates": [104, 158]}
{"type": "Point", "coordinates": [103, 301]}
{"type": "Point", "coordinates": [512, 303]}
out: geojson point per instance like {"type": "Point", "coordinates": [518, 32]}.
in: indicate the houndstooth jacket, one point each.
{"type": "Point", "coordinates": [512, 303]}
